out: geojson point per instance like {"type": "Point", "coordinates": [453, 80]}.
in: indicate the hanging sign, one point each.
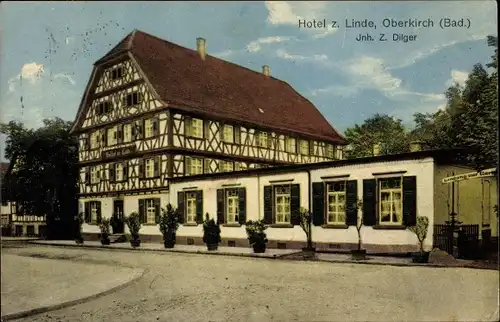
{"type": "Point", "coordinates": [471, 175]}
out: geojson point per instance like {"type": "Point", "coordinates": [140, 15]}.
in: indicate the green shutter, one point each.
{"type": "Point", "coordinates": [88, 217]}
{"type": "Point", "coordinates": [268, 204]}
{"type": "Point", "coordinates": [318, 203]}
{"type": "Point", "coordinates": [351, 200]}
{"type": "Point", "coordinates": [410, 201]}
{"type": "Point", "coordinates": [181, 209]}
{"type": "Point", "coordinates": [105, 138]}
{"type": "Point", "coordinates": [311, 147]}
{"type": "Point", "coordinates": [295, 204]}
{"type": "Point", "coordinates": [155, 127]}
{"type": "Point", "coordinates": [199, 206]}
{"type": "Point", "coordinates": [141, 169]}
{"type": "Point", "coordinates": [157, 210]}
{"type": "Point", "coordinates": [142, 210]}
{"type": "Point", "coordinates": [187, 166]}
{"type": "Point", "coordinates": [187, 126]}
{"type": "Point", "coordinates": [220, 206]}
{"type": "Point", "coordinates": [205, 129]}
{"type": "Point", "coordinates": [242, 203]}
{"type": "Point", "coordinates": [369, 202]}
{"type": "Point", "coordinates": [111, 171]}
{"type": "Point", "coordinates": [119, 133]}
{"type": "Point", "coordinates": [99, 214]}
{"type": "Point", "coordinates": [206, 165]}
{"type": "Point", "coordinates": [87, 176]}
{"type": "Point", "coordinates": [125, 170]}
{"type": "Point", "coordinates": [157, 167]}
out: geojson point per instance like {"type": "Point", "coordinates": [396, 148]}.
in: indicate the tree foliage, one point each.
{"type": "Point", "coordinates": [43, 180]}
{"type": "Point", "coordinates": [468, 122]}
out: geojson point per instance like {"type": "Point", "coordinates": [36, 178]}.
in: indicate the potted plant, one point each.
{"type": "Point", "coordinates": [104, 226]}
{"type": "Point", "coordinates": [79, 222]}
{"type": "Point", "coordinates": [256, 235]}
{"type": "Point", "coordinates": [116, 224]}
{"type": "Point", "coordinates": [211, 233]}
{"type": "Point", "coordinates": [420, 229]}
{"type": "Point", "coordinates": [169, 223]}
{"type": "Point", "coordinates": [134, 225]}
{"type": "Point", "coordinates": [359, 254]}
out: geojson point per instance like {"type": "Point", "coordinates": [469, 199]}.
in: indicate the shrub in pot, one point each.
{"type": "Point", "coordinates": [169, 223]}
{"type": "Point", "coordinates": [420, 229]}
{"type": "Point", "coordinates": [211, 233]}
{"type": "Point", "coordinates": [79, 222]}
{"type": "Point", "coordinates": [134, 225]}
{"type": "Point", "coordinates": [256, 235]}
{"type": "Point", "coordinates": [105, 231]}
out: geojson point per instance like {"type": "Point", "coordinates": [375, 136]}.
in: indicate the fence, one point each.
{"type": "Point", "coordinates": [467, 241]}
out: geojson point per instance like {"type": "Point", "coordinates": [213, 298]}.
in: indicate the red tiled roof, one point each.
{"type": "Point", "coordinates": [182, 79]}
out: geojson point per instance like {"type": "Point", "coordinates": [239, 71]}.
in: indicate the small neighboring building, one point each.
{"type": "Point", "coordinates": [14, 222]}
{"type": "Point", "coordinates": [395, 190]}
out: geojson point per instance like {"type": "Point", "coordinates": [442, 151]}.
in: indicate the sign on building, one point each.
{"type": "Point", "coordinates": [471, 175]}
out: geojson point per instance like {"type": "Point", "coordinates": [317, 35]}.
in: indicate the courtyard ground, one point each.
{"type": "Point", "coordinates": [198, 287]}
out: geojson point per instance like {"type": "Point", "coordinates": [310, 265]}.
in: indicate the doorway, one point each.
{"type": "Point", "coordinates": [118, 217]}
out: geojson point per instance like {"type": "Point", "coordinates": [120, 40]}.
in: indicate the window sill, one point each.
{"type": "Point", "coordinates": [332, 226]}
{"type": "Point", "coordinates": [190, 224]}
{"type": "Point", "coordinates": [231, 225]}
{"type": "Point", "coordinates": [281, 226]}
{"type": "Point", "coordinates": [390, 227]}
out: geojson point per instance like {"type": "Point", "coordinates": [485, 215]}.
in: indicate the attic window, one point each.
{"type": "Point", "coordinates": [260, 110]}
{"type": "Point", "coordinates": [132, 99]}
{"type": "Point", "coordinates": [117, 73]}
{"type": "Point", "coordinates": [104, 108]}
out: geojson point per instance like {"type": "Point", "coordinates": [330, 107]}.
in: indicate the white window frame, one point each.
{"type": "Point", "coordinates": [127, 133]}
{"type": "Point", "coordinates": [196, 128]}
{"type": "Point", "coordinates": [227, 166]}
{"type": "Point", "coordinates": [148, 128]}
{"type": "Point", "coordinates": [232, 206]}
{"type": "Point", "coordinates": [282, 198]}
{"type": "Point", "coordinates": [94, 140]}
{"type": "Point", "coordinates": [190, 207]}
{"type": "Point", "coordinates": [112, 138]}
{"type": "Point", "coordinates": [335, 200]}
{"type": "Point", "coordinates": [149, 168]}
{"type": "Point", "coordinates": [150, 209]}
{"type": "Point", "coordinates": [94, 178]}
{"type": "Point", "coordinates": [304, 147]}
{"type": "Point", "coordinates": [262, 139]}
{"type": "Point", "coordinates": [93, 211]}
{"type": "Point", "coordinates": [330, 151]}
{"type": "Point", "coordinates": [196, 166]}
{"type": "Point", "coordinates": [395, 205]}
{"type": "Point", "coordinates": [291, 145]}
{"type": "Point", "coordinates": [118, 172]}
{"type": "Point", "coordinates": [228, 133]}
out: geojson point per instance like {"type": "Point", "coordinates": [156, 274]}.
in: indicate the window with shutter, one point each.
{"type": "Point", "coordinates": [295, 204]}
{"type": "Point", "coordinates": [318, 203]}
{"type": "Point", "coordinates": [118, 171]}
{"type": "Point", "coordinates": [232, 206]}
{"type": "Point", "coordinates": [390, 196]}
{"type": "Point", "coordinates": [369, 202]}
{"type": "Point", "coordinates": [191, 207]}
{"type": "Point", "coordinates": [199, 207]}
{"type": "Point", "coordinates": [181, 207]}
{"type": "Point", "coordinates": [336, 201]}
{"type": "Point", "coordinates": [111, 171]}
{"type": "Point", "coordinates": [282, 208]}
{"type": "Point", "coordinates": [352, 203]}
{"type": "Point", "coordinates": [220, 206]}
{"type": "Point", "coordinates": [268, 205]}
{"type": "Point", "coordinates": [242, 205]}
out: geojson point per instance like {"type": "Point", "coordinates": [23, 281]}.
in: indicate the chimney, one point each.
{"type": "Point", "coordinates": [376, 149]}
{"type": "Point", "coordinates": [266, 70]}
{"type": "Point", "coordinates": [415, 146]}
{"type": "Point", "coordinates": [201, 47]}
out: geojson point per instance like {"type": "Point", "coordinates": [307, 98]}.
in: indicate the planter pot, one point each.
{"type": "Point", "coordinates": [358, 254]}
{"type": "Point", "coordinates": [169, 243]}
{"type": "Point", "coordinates": [105, 241]}
{"type": "Point", "coordinates": [212, 246]}
{"type": "Point", "coordinates": [135, 243]}
{"type": "Point", "coordinates": [420, 257]}
{"type": "Point", "coordinates": [259, 248]}
{"type": "Point", "coordinates": [79, 240]}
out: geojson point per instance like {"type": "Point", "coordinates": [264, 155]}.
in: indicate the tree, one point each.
{"type": "Point", "coordinates": [44, 180]}
{"type": "Point", "coordinates": [378, 129]}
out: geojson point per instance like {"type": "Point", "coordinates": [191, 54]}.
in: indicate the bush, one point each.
{"type": "Point", "coordinates": [256, 232]}
{"type": "Point", "coordinates": [105, 229]}
{"type": "Point", "coordinates": [134, 225]}
{"type": "Point", "coordinates": [211, 231]}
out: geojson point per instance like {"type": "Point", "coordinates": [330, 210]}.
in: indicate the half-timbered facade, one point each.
{"type": "Point", "coordinates": [153, 111]}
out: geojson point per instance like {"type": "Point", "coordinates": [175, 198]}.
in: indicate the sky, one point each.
{"type": "Point", "coordinates": [47, 50]}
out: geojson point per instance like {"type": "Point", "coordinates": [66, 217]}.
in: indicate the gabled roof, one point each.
{"type": "Point", "coordinates": [183, 80]}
